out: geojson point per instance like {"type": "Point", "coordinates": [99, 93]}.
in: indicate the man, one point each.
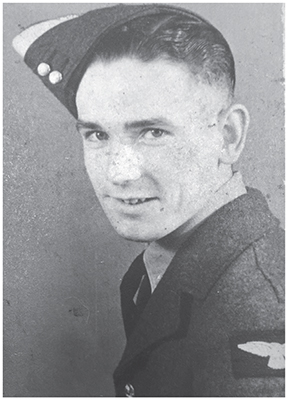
{"type": "Point", "coordinates": [152, 88]}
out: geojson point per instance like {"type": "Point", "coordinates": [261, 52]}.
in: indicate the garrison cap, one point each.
{"type": "Point", "coordinates": [59, 51]}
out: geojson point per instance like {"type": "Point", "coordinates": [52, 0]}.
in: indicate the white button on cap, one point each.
{"type": "Point", "coordinates": [55, 77]}
{"type": "Point", "coordinates": [129, 390]}
{"type": "Point", "coordinates": [43, 69]}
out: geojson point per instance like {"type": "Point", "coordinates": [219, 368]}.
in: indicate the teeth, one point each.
{"type": "Point", "coordinates": [134, 201]}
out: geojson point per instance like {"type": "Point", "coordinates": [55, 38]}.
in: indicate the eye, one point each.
{"type": "Point", "coordinates": [96, 136]}
{"type": "Point", "coordinates": [154, 133]}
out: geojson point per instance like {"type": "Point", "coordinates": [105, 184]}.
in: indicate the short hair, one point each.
{"type": "Point", "coordinates": [194, 42]}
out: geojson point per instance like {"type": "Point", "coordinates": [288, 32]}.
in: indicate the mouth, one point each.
{"type": "Point", "coordinates": [136, 200]}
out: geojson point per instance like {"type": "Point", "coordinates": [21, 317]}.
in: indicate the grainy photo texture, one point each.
{"type": "Point", "coordinates": [143, 200]}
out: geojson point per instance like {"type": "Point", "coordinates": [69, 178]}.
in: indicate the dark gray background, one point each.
{"type": "Point", "coordinates": [63, 262]}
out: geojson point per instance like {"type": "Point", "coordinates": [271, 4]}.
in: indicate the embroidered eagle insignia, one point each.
{"type": "Point", "coordinates": [275, 352]}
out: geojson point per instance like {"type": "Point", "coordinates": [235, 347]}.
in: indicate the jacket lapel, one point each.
{"type": "Point", "coordinates": [196, 267]}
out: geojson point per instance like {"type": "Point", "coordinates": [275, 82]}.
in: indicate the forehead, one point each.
{"type": "Point", "coordinates": [132, 85]}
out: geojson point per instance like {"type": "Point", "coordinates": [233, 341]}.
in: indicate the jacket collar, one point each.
{"type": "Point", "coordinates": [196, 267]}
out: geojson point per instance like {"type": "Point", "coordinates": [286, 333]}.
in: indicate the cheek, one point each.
{"type": "Point", "coordinates": [164, 166]}
{"type": "Point", "coordinates": [204, 152]}
{"type": "Point", "coordinates": [184, 159]}
{"type": "Point", "coordinates": [192, 165]}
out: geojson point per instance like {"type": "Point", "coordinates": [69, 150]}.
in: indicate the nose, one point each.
{"type": "Point", "coordinates": [124, 164]}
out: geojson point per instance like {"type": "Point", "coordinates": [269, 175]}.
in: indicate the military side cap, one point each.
{"type": "Point", "coordinates": [59, 51]}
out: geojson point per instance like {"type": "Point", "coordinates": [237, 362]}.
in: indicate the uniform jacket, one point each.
{"type": "Point", "coordinates": [214, 326]}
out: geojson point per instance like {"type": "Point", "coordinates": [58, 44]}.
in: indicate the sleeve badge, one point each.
{"type": "Point", "coordinates": [258, 354]}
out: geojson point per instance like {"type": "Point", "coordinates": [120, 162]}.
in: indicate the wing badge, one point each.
{"type": "Point", "coordinates": [275, 352]}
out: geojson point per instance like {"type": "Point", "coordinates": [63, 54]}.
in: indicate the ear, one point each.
{"type": "Point", "coordinates": [233, 123]}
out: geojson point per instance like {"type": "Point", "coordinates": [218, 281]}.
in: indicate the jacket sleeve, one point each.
{"type": "Point", "coordinates": [242, 344]}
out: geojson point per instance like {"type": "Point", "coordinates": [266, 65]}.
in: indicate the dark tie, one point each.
{"type": "Point", "coordinates": [144, 294]}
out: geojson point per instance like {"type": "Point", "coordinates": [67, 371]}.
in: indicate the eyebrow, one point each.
{"type": "Point", "coordinates": [128, 125]}
{"type": "Point", "coordinates": [146, 122]}
{"type": "Point", "coordinates": [88, 125]}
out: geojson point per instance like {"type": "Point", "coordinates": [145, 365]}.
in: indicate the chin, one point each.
{"type": "Point", "coordinates": [136, 234]}
{"type": "Point", "coordinates": [135, 237]}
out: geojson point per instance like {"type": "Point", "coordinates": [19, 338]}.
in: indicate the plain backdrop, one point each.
{"type": "Point", "coordinates": [63, 263]}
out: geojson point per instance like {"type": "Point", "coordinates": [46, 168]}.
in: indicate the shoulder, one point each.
{"type": "Point", "coordinates": [247, 344]}
{"type": "Point", "coordinates": [252, 290]}
{"type": "Point", "coordinates": [240, 325]}
{"type": "Point", "coordinates": [257, 275]}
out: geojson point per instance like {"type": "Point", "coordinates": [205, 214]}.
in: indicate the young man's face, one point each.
{"type": "Point", "coordinates": [151, 144]}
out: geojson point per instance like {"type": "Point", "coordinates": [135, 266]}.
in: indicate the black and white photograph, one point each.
{"type": "Point", "coordinates": [143, 200]}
